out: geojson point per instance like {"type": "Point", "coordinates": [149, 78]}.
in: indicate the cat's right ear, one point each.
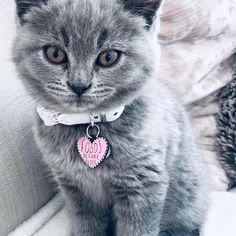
{"type": "Point", "coordinates": [23, 6]}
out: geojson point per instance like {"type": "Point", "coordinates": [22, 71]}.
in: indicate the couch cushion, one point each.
{"type": "Point", "coordinates": [24, 186]}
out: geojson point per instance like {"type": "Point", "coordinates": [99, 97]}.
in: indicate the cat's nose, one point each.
{"type": "Point", "coordinates": [79, 90]}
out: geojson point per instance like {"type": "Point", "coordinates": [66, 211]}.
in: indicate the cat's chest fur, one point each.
{"type": "Point", "coordinates": [136, 139]}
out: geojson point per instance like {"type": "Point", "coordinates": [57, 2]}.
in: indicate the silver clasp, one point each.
{"type": "Point", "coordinates": [91, 116]}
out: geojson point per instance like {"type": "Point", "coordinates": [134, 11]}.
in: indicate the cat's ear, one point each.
{"type": "Point", "coordinates": [23, 6]}
{"type": "Point", "coordinates": [146, 8]}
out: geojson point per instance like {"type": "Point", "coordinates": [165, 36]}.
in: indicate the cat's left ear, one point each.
{"type": "Point", "coordinates": [145, 8]}
{"type": "Point", "coordinates": [23, 6]}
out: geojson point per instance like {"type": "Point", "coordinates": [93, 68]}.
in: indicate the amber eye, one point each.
{"type": "Point", "coordinates": [108, 58]}
{"type": "Point", "coordinates": [55, 55]}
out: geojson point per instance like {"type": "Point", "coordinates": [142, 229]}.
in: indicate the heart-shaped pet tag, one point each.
{"type": "Point", "coordinates": [92, 152]}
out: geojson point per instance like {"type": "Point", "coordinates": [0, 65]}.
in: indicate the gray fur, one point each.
{"type": "Point", "coordinates": [154, 180]}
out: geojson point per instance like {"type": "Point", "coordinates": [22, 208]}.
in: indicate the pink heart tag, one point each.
{"type": "Point", "coordinates": [92, 153]}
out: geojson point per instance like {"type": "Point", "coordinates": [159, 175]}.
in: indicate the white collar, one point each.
{"type": "Point", "coordinates": [52, 118]}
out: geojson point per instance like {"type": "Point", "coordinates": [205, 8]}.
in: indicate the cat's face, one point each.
{"type": "Point", "coordinates": [85, 55]}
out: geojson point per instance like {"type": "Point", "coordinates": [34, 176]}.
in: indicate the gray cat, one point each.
{"type": "Point", "coordinates": [88, 56]}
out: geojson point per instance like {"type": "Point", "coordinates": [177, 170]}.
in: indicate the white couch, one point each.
{"type": "Point", "coordinates": [28, 201]}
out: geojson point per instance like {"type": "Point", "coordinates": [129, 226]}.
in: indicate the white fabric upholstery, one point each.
{"type": "Point", "coordinates": [24, 186]}
{"type": "Point", "coordinates": [41, 219]}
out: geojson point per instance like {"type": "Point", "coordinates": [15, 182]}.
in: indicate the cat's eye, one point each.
{"type": "Point", "coordinates": [55, 55]}
{"type": "Point", "coordinates": [108, 58]}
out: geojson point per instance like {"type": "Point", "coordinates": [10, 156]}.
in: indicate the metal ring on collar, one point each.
{"type": "Point", "coordinates": [91, 126]}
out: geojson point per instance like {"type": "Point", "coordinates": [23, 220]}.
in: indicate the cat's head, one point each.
{"type": "Point", "coordinates": [86, 55]}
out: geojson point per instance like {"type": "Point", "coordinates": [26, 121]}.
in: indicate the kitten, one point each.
{"type": "Point", "coordinates": [88, 56]}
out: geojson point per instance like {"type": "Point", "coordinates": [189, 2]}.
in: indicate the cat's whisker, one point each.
{"type": "Point", "coordinates": [102, 91]}
{"type": "Point", "coordinates": [102, 96]}
{"type": "Point", "coordinates": [60, 91]}
{"type": "Point", "coordinates": [57, 83]}
{"type": "Point", "coordinates": [56, 88]}
{"type": "Point", "coordinates": [62, 95]}
{"type": "Point", "coordinates": [101, 86]}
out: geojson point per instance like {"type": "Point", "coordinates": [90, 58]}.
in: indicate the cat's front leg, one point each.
{"type": "Point", "coordinates": [87, 219]}
{"type": "Point", "coordinates": [138, 208]}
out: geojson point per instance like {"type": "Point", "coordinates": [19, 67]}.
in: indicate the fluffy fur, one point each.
{"type": "Point", "coordinates": [154, 182]}
{"type": "Point", "coordinates": [227, 130]}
